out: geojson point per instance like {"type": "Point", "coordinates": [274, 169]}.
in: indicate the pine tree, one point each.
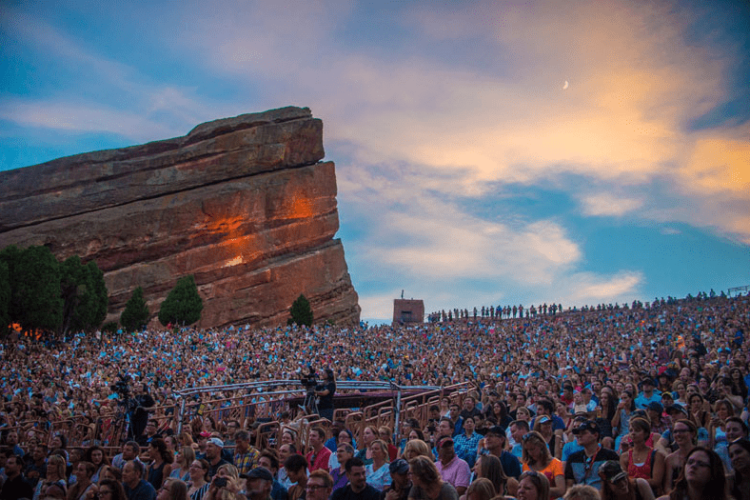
{"type": "Point", "coordinates": [183, 305]}
{"type": "Point", "coordinates": [136, 312]}
{"type": "Point", "coordinates": [301, 312]}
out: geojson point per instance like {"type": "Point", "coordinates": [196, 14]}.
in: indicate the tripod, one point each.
{"type": "Point", "coordinates": [311, 401]}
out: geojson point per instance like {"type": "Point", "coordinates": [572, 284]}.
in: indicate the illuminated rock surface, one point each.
{"type": "Point", "coordinates": [242, 203]}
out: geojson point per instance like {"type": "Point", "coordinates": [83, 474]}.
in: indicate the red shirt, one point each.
{"type": "Point", "coordinates": [319, 461]}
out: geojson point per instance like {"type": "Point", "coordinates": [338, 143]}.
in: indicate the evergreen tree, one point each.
{"type": "Point", "coordinates": [136, 312]}
{"type": "Point", "coordinates": [34, 276]}
{"type": "Point", "coordinates": [183, 305]}
{"type": "Point", "coordinates": [301, 313]}
{"type": "Point", "coordinates": [84, 294]}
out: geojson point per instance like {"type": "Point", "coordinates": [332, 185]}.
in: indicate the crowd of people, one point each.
{"type": "Point", "coordinates": [604, 402]}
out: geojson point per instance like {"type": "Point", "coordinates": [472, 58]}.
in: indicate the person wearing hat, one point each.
{"type": "Point", "coordinates": [617, 486]}
{"type": "Point", "coordinates": [582, 467]}
{"type": "Point", "coordinates": [543, 426]}
{"type": "Point", "coordinates": [648, 394]}
{"type": "Point", "coordinates": [214, 447]}
{"type": "Point", "coordinates": [452, 469]}
{"type": "Point", "coordinates": [400, 482]}
{"type": "Point", "coordinates": [659, 423]}
{"type": "Point", "coordinates": [258, 484]}
{"type": "Point", "coordinates": [493, 443]}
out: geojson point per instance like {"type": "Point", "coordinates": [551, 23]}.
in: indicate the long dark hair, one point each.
{"type": "Point", "coordinates": [739, 476]}
{"type": "Point", "coordinates": [492, 469]}
{"type": "Point", "coordinates": [161, 448]}
{"type": "Point", "coordinates": [715, 488]}
{"type": "Point", "coordinates": [118, 492]}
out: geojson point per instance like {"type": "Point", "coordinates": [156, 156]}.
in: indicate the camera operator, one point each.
{"type": "Point", "coordinates": [139, 418]}
{"type": "Point", "coordinates": [326, 392]}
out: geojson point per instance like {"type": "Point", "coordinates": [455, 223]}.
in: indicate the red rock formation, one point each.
{"type": "Point", "coordinates": [242, 203]}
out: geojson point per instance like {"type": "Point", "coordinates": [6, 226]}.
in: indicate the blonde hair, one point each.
{"type": "Point", "coordinates": [230, 469]}
{"type": "Point", "coordinates": [416, 448]}
{"type": "Point", "coordinates": [383, 448]}
{"type": "Point", "coordinates": [58, 464]}
{"type": "Point", "coordinates": [541, 444]}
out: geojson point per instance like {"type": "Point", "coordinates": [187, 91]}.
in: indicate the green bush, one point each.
{"type": "Point", "coordinates": [183, 305]}
{"type": "Point", "coordinates": [301, 312]}
{"type": "Point", "coordinates": [136, 312]}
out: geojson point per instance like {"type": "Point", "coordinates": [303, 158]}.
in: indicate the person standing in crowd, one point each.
{"type": "Point", "coordinates": [344, 452]}
{"type": "Point", "coordinates": [685, 434]}
{"type": "Point", "coordinates": [642, 461]}
{"type": "Point", "coordinates": [739, 452]}
{"type": "Point", "coordinates": [428, 485]}
{"type": "Point", "coordinates": [181, 470]}
{"type": "Point", "coordinates": [533, 486]}
{"type": "Point", "coordinates": [110, 489]}
{"type": "Point", "coordinates": [703, 478]}
{"type": "Point", "coordinates": [136, 488]}
{"type": "Point", "coordinates": [269, 460]}
{"type": "Point", "coordinates": [258, 484]}
{"type": "Point", "coordinates": [15, 486]}
{"type": "Point", "coordinates": [319, 486]}
{"type": "Point", "coordinates": [325, 393]}
{"type": "Point", "coordinates": [198, 485]}
{"type": "Point", "coordinates": [400, 482]}
{"type": "Point", "coordinates": [319, 455]}
{"type": "Point", "coordinates": [296, 469]}
{"type": "Point", "coordinates": [494, 443]}
{"type": "Point", "coordinates": [452, 469]}
{"type": "Point", "coordinates": [357, 489]}
{"type": "Point", "coordinates": [466, 444]}
{"type": "Point", "coordinates": [245, 455]}
{"type": "Point", "coordinates": [582, 467]}
{"type": "Point", "coordinates": [214, 447]}
{"type": "Point", "coordinates": [161, 463]}
{"type": "Point", "coordinates": [378, 475]}
{"type": "Point", "coordinates": [616, 485]}
{"type": "Point", "coordinates": [537, 458]}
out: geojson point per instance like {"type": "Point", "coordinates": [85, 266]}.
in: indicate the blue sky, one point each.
{"type": "Point", "coordinates": [469, 171]}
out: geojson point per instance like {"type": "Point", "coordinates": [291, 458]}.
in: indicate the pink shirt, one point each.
{"type": "Point", "coordinates": [457, 472]}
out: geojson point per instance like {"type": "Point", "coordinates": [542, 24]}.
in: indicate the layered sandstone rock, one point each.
{"type": "Point", "coordinates": [242, 203]}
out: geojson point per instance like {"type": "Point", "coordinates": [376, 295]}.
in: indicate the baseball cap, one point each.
{"type": "Point", "coordinates": [544, 419]}
{"type": "Point", "coordinates": [675, 408]}
{"type": "Point", "coordinates": [216, 442]}
{"type": "Point", "coordinates": [258, 473]}
{"type": "Point", "coordinates": [443, 441]}
{"type": "Point", "coordinates": [612, 471]}
{"type": "Point", "coordinates": [655, 406]}
{"type": "Point", "coordinates": [399, 466]}
{"type": "Point", "coordinates": [495, 430]}
{"type": "Point", "coordinates": [587, 425]}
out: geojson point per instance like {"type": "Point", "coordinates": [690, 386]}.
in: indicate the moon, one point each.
{"type": "Point", "coordinates": [565, 87]}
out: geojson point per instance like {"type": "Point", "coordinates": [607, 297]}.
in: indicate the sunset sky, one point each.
{"type": "Point", "coordinates": [487, 152]}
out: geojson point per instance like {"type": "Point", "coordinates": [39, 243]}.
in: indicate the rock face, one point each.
{"type": "Point", "coordinates": [242, 203]}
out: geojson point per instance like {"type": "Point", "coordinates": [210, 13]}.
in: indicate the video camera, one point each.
{"type": "Point", "coordinates": [122, 386]}
{"type": "Point", "coordinates": [309, 381]}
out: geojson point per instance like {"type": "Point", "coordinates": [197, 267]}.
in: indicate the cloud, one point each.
{"type": "Point", "coordinates": [82, 118]}
{"type": "Point", "coordinates": [604, 204]}
{"type": "Point", "coordinates": [110, 97]}
{"type": "Point", "coordinates": [587, 288]}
